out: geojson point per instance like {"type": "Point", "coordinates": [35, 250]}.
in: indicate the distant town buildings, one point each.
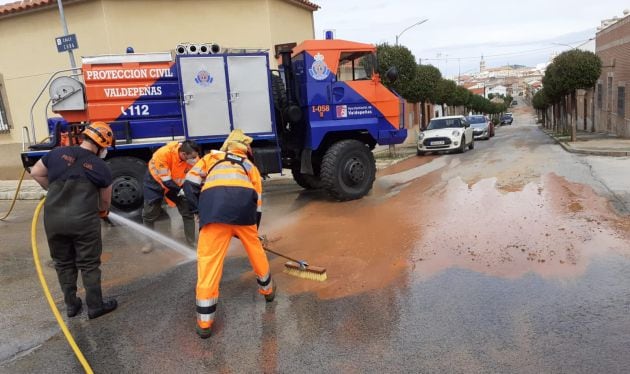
{"type": "Point", "coordinates": [513, 80]}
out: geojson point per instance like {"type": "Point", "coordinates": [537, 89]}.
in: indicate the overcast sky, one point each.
{"type": "Point", "coordinates": [458, 32]}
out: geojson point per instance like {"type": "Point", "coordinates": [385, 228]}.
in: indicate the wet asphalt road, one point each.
{"type": "Point", "coordinates": [508, 258]}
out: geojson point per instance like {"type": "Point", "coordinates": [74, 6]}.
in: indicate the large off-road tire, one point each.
{"type": "Point", "coordinates": [279, 94]}
{"type": "Point", "coordinates": [285, 112]}
{"type": "Point", "coordinates": [306, 181]}
{"type": "Point", "coordinates": [127, 175]}
{"type": "Point", "coordinates": [348, 170]}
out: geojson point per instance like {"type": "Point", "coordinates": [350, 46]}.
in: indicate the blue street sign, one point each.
{"type": "Point", "coordinates": [66, 43]}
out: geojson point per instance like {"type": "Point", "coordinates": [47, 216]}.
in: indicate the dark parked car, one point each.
{"type": "Point", "coordinates": [506, 120]}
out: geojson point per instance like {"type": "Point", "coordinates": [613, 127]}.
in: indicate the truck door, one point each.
{"type": "Point", "coordinates": [249, 93]}
{"type": "Point", "coordinates": [205, 95]}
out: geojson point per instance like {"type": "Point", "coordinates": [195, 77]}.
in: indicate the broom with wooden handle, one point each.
{"type": "Point", "coordinates": [297, 268]}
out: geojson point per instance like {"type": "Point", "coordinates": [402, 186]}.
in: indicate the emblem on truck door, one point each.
{"type": "Point", "coordinates": [203, 78]}
{"type": "Point", "coordinates": [319, 70]}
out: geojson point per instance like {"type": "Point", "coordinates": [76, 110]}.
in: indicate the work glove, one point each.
{"type": "Point", "coordinates": [172, 195]}
{"type": "Point", "coordinates": [104, 215]}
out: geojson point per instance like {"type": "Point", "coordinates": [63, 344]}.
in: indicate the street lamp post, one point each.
{"type": "Point", "coordinates": [392, 148]}
{"type": "Point", "coordinates": [414, 25]}
{"type": "Point", "coordinates": [64, 25]}
{"type": "Point", "coordinates": [577, 46]}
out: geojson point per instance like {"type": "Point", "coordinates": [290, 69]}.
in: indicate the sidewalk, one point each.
{"type": "Point", "coordinates": [589, 143]}
{"type": "Point", "coordinates": [30, 190]}
{"type": "Point", "coordinates": [402, 152]}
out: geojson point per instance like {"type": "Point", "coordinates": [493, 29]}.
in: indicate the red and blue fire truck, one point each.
{"type": "Point", "coordinates": [319, 114]}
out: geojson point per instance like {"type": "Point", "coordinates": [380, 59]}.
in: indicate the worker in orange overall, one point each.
{"type": "Point", "coordinates": [163, 182]}
{"type": "Point", "coordinates": [225, 190]}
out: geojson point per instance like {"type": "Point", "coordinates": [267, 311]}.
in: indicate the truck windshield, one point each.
{"type": "Point", "coordinates": [354, 66]}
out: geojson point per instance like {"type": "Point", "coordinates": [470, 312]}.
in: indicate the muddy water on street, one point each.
{"type": "Point", "coordinates": [551, 227]}
{"type": "Point", "coordinates": [421, 219]}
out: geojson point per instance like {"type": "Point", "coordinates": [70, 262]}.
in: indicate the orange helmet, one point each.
{"type": "Point", "coordinates": [100, 133]}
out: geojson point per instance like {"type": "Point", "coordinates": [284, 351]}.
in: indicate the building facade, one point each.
{"type": "Point", "coordinates": [612, 99]}
{"type": "Point", "coordinates": [28, 29]}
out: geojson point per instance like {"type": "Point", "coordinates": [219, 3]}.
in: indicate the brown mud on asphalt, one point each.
{"type": "Point", "coordinates": [551, 228]}
{"type": "Point", "coordinates": [364, 244]}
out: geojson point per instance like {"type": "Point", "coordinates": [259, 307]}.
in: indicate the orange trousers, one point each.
{"type": "Point", "coordinates": [214, 240]}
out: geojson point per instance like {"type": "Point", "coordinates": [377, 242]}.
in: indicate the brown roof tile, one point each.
{"type": "Point", "coordinates": [305, 3]}
{"type": "Point", "coordinates": [21, 6]}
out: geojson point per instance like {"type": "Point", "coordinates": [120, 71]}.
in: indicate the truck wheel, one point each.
{"type": "Point", "coordinates": [348, 170]}
{"type": "Point", "coordinates": [306, 181]}
{"type": "Point", "coordinates": [127, 174]}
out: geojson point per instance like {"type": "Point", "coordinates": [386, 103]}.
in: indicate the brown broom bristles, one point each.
{"type": "Point", "coordinates": [315, 273]}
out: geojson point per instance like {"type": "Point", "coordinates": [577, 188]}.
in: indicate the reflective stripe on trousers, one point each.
{"type": "Point", "coordinates": [264, 284]}
{"type": "Point", "coordinates": [206, 309]}
{"type": "Point", "coordinates": [214, 240]}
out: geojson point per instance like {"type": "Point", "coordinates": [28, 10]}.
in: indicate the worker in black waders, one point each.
{"type": "Point", "coordinates": [79, 185]}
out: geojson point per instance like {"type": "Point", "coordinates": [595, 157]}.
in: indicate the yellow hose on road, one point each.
{"type": "Point", "coordinates": [17, 191]}
{"type": "Point", "coordinates": [40, 274]}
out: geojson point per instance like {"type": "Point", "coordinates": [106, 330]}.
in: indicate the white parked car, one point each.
{"type": "Point", "coordinates": [452, 133]}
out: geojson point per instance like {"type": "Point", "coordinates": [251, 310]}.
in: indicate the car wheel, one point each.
{"type": "Point", "coordinates": [420, 153]}
{"type": "Point", "coordinates": [472, 144]}
{"type": "Point", "coordinates": [462, 145]}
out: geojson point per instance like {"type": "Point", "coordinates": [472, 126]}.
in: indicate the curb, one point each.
{"type": "Point", "coordinates": [24, 195]}
{"type": "Point", "coordinates": [591, 152]}
{"type": "Point", "coordinates": [384, 162]}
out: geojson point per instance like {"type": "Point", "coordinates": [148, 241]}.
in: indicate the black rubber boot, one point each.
{"type": "Point", "coordinates": [203, 333]}
{"type": "Point", "coordinates": [269, 298]}
{"type": "Point", "coordinates": [189, 232]}
{"type": "Point", "coordinates": [108, 306]}
{"type": "Point", "coordinates": [74, 309]}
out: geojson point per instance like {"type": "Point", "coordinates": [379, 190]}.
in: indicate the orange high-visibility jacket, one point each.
{"type": "Point", "coordinates": [167, 169]}
{"type": "Point", "coordinates": [225, 188]}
